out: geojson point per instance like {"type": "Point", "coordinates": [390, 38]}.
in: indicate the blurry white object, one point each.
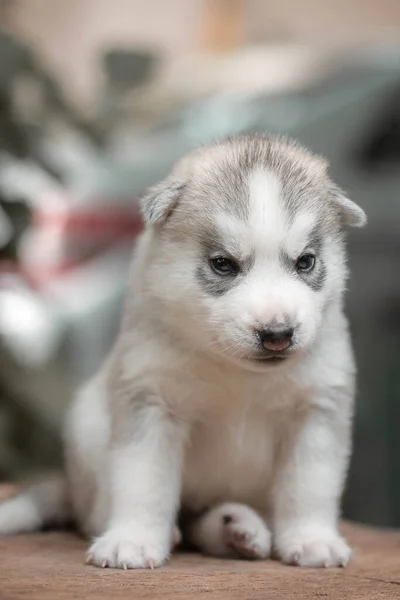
{"type": "Point", "coordinates": [24, 179]}
{"type": "Point", "coordinates": [84, 303]}
{"type": "Point", "coordinates": [29, 330]}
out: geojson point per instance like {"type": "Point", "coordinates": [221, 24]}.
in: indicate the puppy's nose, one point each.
{"type": "Point", "coordinates": [277, 337]}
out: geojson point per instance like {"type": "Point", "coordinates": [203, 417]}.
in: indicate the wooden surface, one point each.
{"type": "Point", "coordinates": [50, 566]}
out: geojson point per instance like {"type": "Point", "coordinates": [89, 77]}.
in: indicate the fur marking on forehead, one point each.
{"type": "Point", "coordinates": [267, 217]}
{"type": "Point", "coordinates": [268, 223]}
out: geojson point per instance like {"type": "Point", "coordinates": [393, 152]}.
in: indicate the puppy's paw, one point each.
{"type": "Point", "coordinates": [130, 547]}
{"type": "Point", "coordinates": [313, 546]}
{"type": "Point", "coordinates": [245, 532]}
{"type": "Point", "coordinates": [232, 530]}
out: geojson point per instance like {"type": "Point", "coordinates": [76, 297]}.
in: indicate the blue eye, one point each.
{"type": "Point", "coordinates": [223, 266]}
{"type": "Point", "coordinates": [305, 263]}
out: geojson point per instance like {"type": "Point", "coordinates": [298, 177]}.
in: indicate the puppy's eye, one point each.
{"type": "Point", "coordinates": [305, 263]}
{"type": "Point", "coordinates": [224, 266]}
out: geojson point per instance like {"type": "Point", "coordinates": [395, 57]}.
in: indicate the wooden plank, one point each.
{"type": "Point", "coordinates": [50, 566]}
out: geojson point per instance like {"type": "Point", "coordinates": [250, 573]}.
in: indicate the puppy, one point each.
{"type": "Point", "coordinates": [229, 392]}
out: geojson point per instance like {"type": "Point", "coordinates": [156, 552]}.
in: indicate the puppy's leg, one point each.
{"type": "Point", "coordinates": [231, 530]}
{"type": "Point", "coordinates": [144, 470]}
{"type": "Point", "coordinates": [308, 489]}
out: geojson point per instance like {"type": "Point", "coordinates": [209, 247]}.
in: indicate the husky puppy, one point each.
{"type": "Point", "coordinates": [229, 393]}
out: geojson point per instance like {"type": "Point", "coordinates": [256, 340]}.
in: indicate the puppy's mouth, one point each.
{"type": "Point", "coordinates": [269, 359]}
{"type": "Point", "coordinates": [272, 358]}
{"type": "Point", "coordinates": [262, 362]}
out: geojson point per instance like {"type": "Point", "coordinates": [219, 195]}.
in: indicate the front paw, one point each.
{"type": "Point", "coordinates": [312, 546]}
{"type": "Point", "coordinates": [130, 546]}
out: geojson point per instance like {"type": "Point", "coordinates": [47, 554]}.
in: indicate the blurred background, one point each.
{"type": "Point", "coordinates": [98, 98]}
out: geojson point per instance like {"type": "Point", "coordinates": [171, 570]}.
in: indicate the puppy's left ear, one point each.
{"type": "Point", "coordinates": [352, 214]}
{"type": "Point", "coordinates": [160, 200]}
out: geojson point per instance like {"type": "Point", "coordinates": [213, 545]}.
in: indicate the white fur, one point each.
{"type": "Point", "coordinates": [267, 218]}
{"type": "Point", "coordinates": [298, 232]}
{"type": "Point", "coordinates": [21, 512]}
{"type": "Point", "coordinates": [215, 428]}
{"type": "Point", "coordinates": [43, 503]}
{"type": "Point", "coordinates": [231, 529]}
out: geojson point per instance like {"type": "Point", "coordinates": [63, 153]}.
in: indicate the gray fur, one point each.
{"type": "Point", "coordinates": [213, 245]}
{"type": "Point", "coordinates": [215, 178]}
{"type": "Point", "coordinates": [159, 201]}
{"type": "Point", "coordinates": [317, 277]}
{"type": "Point", "coordinates": [353, 215]}
{"type": "Point", "coordinates": [212, 283]}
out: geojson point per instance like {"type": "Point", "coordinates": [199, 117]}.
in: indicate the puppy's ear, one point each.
{"type": "Point", "coordinates": [352, 214]}
{"type": "Point", "coordinates": [159, 201]}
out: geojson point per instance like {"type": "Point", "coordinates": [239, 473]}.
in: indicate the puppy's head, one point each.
{"type": "Point", "coordinates": [247, 248]}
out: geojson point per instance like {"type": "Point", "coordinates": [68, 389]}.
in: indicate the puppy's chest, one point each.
{"type": "Point", "coordinates": [238, 424]}
{"type": "Point", "coordinates": [231, 456]}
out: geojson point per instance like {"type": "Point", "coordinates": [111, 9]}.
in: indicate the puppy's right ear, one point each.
{"type": "Point", "coordinates": [160, 200]}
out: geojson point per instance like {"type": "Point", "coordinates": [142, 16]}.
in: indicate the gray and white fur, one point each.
{"type": "Point", "coordinates": [229, 392]}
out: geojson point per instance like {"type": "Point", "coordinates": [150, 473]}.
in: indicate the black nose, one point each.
{"type": "Point", "coordinates": [277, 337]}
